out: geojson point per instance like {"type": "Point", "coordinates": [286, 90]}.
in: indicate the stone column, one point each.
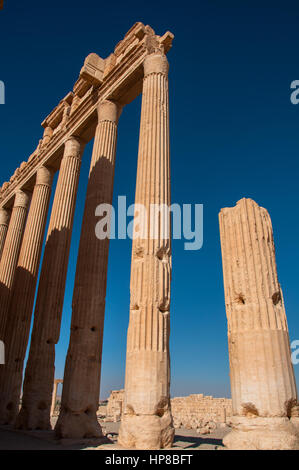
{"type": "Point", "coordinates": [11, 252]}
{"type": "Point", "coordinates": [146, 420]}
{"type": "Point", "coordinates": [54, 396]}
{"type": "Point", "coordinates": [4, 221]}
{"type": "Point", "coordinates": [263, 387]}
{"type": "Point", "coordinates": [80, 396]}
{"type": "Point", "coordinates": [39, 375]}
{"type": "Point", "coordinates": [22, 298]}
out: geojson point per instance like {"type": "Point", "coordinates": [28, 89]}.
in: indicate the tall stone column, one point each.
{"type": "Point", "coordinates": [11, 252]}
{"type": "Point", "coordinates": [54, 396]}
{"type": "Point", "coordinates": [146, 420]}
{"type": "Point", "coordinates": [4, 221]}
{"type": "Point", "coordinates": [81, 383]}
{"type": "Point", "coordinates": [263, 387]}
{"type": "Point", "coordinates": [22, 298]}
{"type": "Point", "coordinates": [39, 375]}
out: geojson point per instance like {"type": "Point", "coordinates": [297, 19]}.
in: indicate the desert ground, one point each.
{"type": "Point", "coordinates": [11, 439]}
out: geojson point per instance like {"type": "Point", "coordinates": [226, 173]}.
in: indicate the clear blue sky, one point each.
{"type": "Point", "coordinates": [234, 133]}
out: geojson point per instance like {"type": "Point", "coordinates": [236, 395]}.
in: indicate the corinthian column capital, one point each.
{"type": "Point", "coordinates": [155, 63]}
{"type": "Point", "coordinates": [4, 216]}
{"type": "Point", "coordinates": [44, 176]}
{"type": "Point", "coordinates": [109, 111]}
{"type": "Point", "coordinates": [73, 147]}
{"type": "Point", "coordinates": [22, 199]}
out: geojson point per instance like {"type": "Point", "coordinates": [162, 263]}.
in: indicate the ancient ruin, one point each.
{"type": "Point", "coordinates": [263, 387]}
{"type": "Point", "coordinates": [199, 411]}
{"type": "Point", "coordinates": [263, 412]}
{"type": "Point", "coordinates": [54, 396]}
{"type": "Point", "coordinates": [115, 405]}
{"type": "Point", "coordinates": [137, 65]}
{"type": "Point", "coordinates": [195, 411]}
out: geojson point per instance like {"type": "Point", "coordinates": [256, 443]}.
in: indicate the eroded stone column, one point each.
{"type": "Point", "coordinates": [80, 396]}
{"type": "Point", "coordinates": [263, 387]}
{"type": "Point", "coordinates": [11, 252]}
{"type": "Point", "coordinates": [39, 375]}
{"type": "Point", "coordinates": [146, 420]}
{"type": "Point", "coordinates": [22, 298]}
{"type": "Point", "coordinates": [4, 221]}
{"type": "Point", "coordinates": [54, 395]}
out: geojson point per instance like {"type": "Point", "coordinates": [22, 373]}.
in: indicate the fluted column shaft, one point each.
{"type": "Point", "coordinates": [54, 396]}
{"type": "Point", "coordinates": [262, 376]}
{"type": "Point", "coordinates": [4, 222]}
{"type": "Point", "coordinates": [22, 298]}
{"type": "Point", "coordinates": [146, 421]}
{"type": "Point", "coordinates": [39, 375]}
{"type": "Point", "coordinates": [11, 252]}
{"type": "Point", "coordinates": [81, 383]}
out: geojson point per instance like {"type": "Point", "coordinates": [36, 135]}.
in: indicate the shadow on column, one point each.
{"type": "Point", "coordinates": [5, 294]}
{"type": "Point", "coordinates": [40, 368]}
{"type": "Point", "coordinates": [16, 340]}
{"type": "Point", "coordinates": [81, 383]}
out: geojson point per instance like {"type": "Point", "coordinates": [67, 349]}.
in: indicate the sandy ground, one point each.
{"type": "Point", "coordinates": [45, 440]}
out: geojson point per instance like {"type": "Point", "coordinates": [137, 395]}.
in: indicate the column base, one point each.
{"type": "Point", "coordinates": [8, 412]}
{"type": "Point", "coordinates": [146, 432]}
{"type": "Point", "coordinates": [33, 419]}
{"type": "Point", "coordinates": [77, 425]}
{"type": "Point", "coordinates": [257, 433]}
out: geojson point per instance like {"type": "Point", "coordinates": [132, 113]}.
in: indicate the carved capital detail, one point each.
{"type": "Point", "coordinates": [22, 198]}
{"type": "Point", "coordinates": [155, 63]}
{"type": "Point", "coordinates": [44, 176]}
{"type": "Point", "coordinates": [4, 216]}
{"type": "Point", "coordinates": [109, 111]}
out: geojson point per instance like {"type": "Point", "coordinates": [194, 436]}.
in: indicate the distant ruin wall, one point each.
{"type": "Point", "coordinates": [196, 410]}
{"type": "Point", "coordinates": [114, 406]}
{"type": "Point", "coordinates": [192, 412]}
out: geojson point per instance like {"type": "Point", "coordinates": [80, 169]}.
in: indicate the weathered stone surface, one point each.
{"type": "Point", "coordinates": [115, 405]}
{"type": "Point", "coordinates": [11, 252]}
{"type": "Point", "coordinates": [22, 298]}
{"type": "Point", "coordinates": [262, 376]}
{"type": "Point", "coordinates": [39, 375]}
{"type": "Point", "coordinates": [260, 433]}
{"type": "Point", "coordinates": [195, 411]}
{"type": "Point", "coordinates": [146, 420]}
{"type": "Point", "coordinates": [80, 396]}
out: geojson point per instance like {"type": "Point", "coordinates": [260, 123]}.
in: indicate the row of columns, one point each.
{"type": "Point", "coordinates": [10, 253]}
{"type": "Point", "coordinates": [40, 369]}
{"type": "Point", "coordinates": [81, 384]}
{"type": "Point", "coordinates": [21, 243]}
{"type": "Point", "coordinates": [263, 387]}
{"type": "Point", "coordinates": [22, 297]}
